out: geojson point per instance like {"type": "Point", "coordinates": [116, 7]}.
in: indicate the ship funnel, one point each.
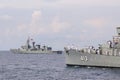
{"type": "Point", "coordinates": [118, 31]}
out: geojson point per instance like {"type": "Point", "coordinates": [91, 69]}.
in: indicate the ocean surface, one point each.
{"type": "Point", "coordinates": [49, 67]}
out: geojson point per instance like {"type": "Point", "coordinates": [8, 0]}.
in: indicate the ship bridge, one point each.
{"type": "Point", "coordinates": [116, 39]}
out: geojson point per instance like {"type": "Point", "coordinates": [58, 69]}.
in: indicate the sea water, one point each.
{"type": "Point", "coordinates": [49, 67]}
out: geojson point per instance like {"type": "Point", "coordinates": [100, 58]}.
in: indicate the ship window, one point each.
{"type": "Point", "coordinates": [67, 51]}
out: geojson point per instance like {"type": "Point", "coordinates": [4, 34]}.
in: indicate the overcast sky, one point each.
{"type": "Point", "coordinates": [58, 23]}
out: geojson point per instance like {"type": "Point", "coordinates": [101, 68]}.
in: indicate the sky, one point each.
{"type": "Point", "coordinates": [58, 23]}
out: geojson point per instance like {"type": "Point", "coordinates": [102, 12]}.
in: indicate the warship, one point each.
{"type": "Point", "coordinates": [106, 55]}
{"type": "Point", "coordinates": [31, 47]}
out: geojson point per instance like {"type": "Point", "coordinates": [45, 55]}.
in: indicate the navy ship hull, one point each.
{"type": "Point", "coordinates": [74, 58]}
{"type": "Point", "coordinates": [24, 51]}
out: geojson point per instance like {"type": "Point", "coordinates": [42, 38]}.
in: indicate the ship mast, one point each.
{"type": "Point", "coordinates": [116, 42]}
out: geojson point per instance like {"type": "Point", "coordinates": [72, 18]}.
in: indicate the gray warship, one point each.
{"type": "Point", "coordinates": [106, 55]}
{"type": "Point", "coordinates": [32, 48]}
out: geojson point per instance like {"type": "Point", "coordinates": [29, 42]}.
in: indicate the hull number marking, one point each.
{"type": "Point", "coordinates": [83, 58]}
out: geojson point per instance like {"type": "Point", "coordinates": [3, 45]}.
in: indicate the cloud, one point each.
{"type": "Point", "coordinates": [37, 4]}
{"type": "Point", "coordinates": [55, 26]}
{"type": "Point", "coordinates": [58, 25]}
{"type": "Point", "coordinates": [2, 5]}
{"type": "Point", "coordinates": [36, 16]}
{"type": "Point", "coordinates": [36, 26]}
{"type": "Point", "coordinates": [89, 2]}
{"type": "Point", "coordinates": [80, 3]}
{"type": "Point", "coordinates": [6, 17]}
{"type": "Point", "coordinates": [25, 4]}
{"type": "Point", "coordinates": [95, 22]}
{"type": "Point", "coordinates": [32, 28]}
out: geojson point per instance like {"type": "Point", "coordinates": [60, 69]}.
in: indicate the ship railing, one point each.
{"type": "Point", "coordinates": [84, 50]}
{"type": "Point", "coordinates": [88, 50]}
{"type": "Point", "coordinates": [72, 48]}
